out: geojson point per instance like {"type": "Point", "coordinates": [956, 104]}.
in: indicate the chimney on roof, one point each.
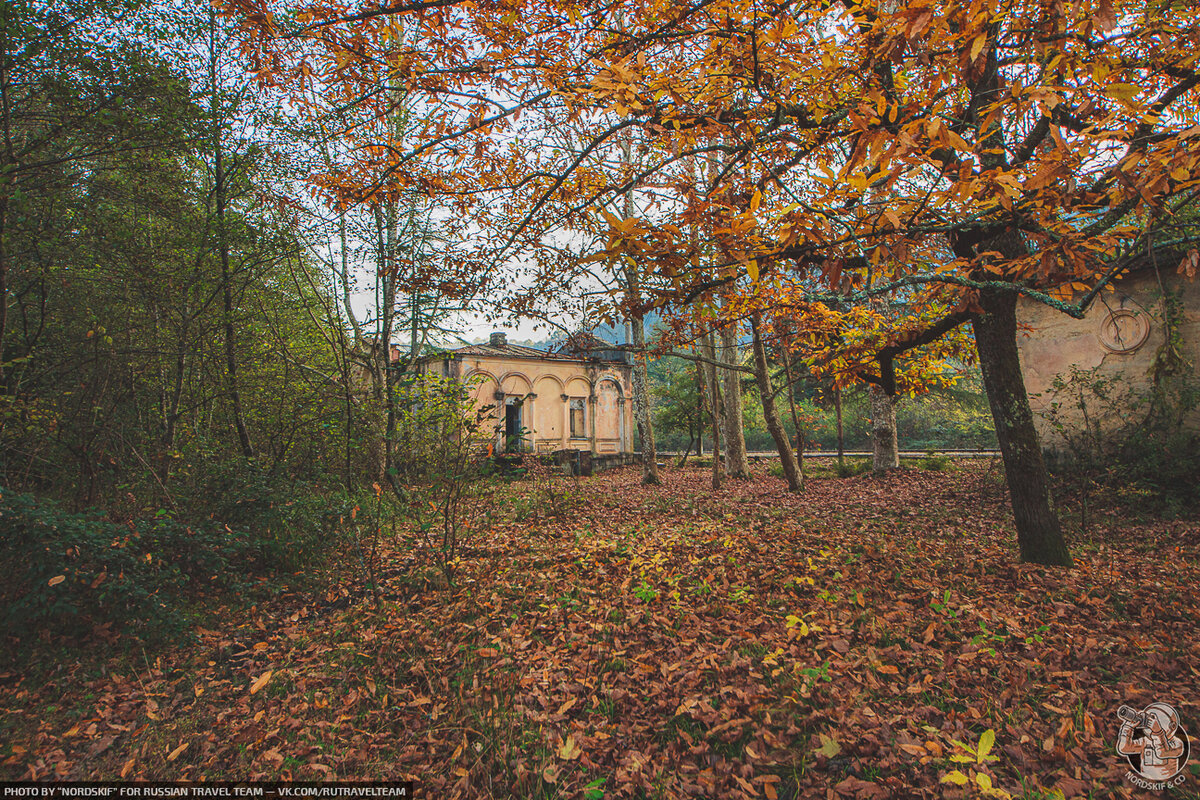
{"type": "Point", "coordinates": [498, 339]}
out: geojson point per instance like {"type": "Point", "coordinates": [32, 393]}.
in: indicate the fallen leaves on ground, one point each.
{"type": "Point", "coordinates": [859, 640]}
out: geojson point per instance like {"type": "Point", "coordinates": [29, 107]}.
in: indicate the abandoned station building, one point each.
{"type": "Point", "coordinates": [572, 397]}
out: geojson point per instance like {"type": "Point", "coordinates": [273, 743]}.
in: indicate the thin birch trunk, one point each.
{"type": "Point", "coordinates": [708, 349]}
{"type": "Point", "coordinates": [791, 470]}
{"type": "Point", "coordinates": [737, 465]}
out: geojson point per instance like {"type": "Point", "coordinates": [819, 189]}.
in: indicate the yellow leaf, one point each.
{"type": "Point", "coordinates": [985, 744]}
{"type": "Point", "coordinates": [829, 746]}
{"type": "Point", "coordinates": [56, 580]}
{"type": "Point", "coordinates": [261, 682]}
{"type": "Point", "coordinates": [957, 141]}
{"type": "Point", "coordinates": [955, 777]}
{"type": "Point", "coordinates": [752, 268]}
{"type": "Point", "coordinates": [977, 45]}
{"type": "Point", "coordinates": [1123, 91]}
{"type": "Point", "coordinates": [569, 749]}
{"type": "Point", "coordinates": [177, 752]}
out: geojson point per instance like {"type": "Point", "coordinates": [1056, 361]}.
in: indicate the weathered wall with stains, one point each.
{"type": "Point", "coordinates": [544, 389]}
{"type": "Point", "coordinates": [1118, 339]}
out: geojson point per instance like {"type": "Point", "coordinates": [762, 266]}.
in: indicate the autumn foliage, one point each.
{"type": "Point", "coordinates": [847, 151]}
{"type": "Point", "coordinates": [864, 190]}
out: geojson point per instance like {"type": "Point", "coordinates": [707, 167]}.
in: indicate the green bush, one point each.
{"type": "Point", "coordinates": [1160, 466]}
{"type": "Point", "coordinates": [956, 417]}
{"type": "Point", "coordinates": [1134, 442]}
{"type": "Point", "coordinates": [68, 571]}
{"type": "Point", "coordinates": [851, 467]}
{"type": "Point", "coordinates": [288, 521]}
{"type": "Point", "coordinates": [935, 463]}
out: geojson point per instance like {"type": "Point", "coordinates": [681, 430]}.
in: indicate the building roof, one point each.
{"type": "Point", "coordinates": [577, 347]}
{"type": "Point", "coordinates": [511, 351]}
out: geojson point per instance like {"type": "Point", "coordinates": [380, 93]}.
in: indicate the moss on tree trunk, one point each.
{"type": "Point", "coordinates": [1039, 533]}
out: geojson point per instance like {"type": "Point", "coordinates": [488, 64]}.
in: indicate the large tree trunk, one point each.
{"type": "Point", "coordinates": [3, 274]}
{"type": "Point", "coordinates": [791, 470]}
{"type": "Point", "coordinates": [383, 213]}
{"type": "Point", "coordinates": [7, 185]}
{"type": "Point", "coordinates": [230, 334]}
{"type": "Point", "coordinates": [637, 330]}
{"type": "Point", "coordinates": [884, 443]}
{"type": "Point", "coordinates": [736, 463]}
{"type": "Point", "coordinates": [392, 267]}
{"type": "Point", "coordinates": [1038, 531]}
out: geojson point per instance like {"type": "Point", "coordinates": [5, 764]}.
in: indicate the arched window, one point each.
{"type": "Point", "coordinates": [578, 429]}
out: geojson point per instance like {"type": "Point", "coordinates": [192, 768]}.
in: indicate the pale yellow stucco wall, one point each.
{"type": "Point", "coordinates": [1106, 340]}
{"type": "Point", "coordinates": [545, 388]}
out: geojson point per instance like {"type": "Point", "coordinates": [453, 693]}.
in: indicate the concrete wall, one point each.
{"type": "Point", "coordinates": [1119, 338]}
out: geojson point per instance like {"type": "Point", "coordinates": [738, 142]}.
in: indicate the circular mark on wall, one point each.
{"type": "Point", "coordinates": [1125, 329]}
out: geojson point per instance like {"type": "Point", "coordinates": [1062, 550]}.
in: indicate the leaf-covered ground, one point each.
{"type": "Point", "coordinates": [672, 641]}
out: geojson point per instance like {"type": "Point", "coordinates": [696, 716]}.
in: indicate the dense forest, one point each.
{"type": "Point", "coordinates": [175, 366]}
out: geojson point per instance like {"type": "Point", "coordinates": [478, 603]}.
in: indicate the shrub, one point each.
{"type": "Point", "coordinates": [935, 462]}
{"type": "Point", "coordinates": [1163, 462]}
{"type": "Point", "coordinates": [453, 476]}
{"type": "Point", "coordinates": [1135, 443]}
{"type": "Point", "coordinates": [848, 468]}
{"type": "Point", "coordinates": [287, 523]}
{"type": "Point", "coordinates": [68, 571]}
{"type": "Point", "coordinates": [852, 467]}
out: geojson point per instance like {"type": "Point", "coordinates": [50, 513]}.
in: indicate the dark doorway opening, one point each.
{"type": "Point", "coordinates": [513, 428]}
